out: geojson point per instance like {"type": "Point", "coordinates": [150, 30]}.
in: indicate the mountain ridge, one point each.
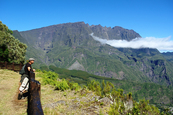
{"type": "Point", "coordinates": [63, 44]}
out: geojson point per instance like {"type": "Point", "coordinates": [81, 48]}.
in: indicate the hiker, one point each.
{"type": "Point", "coordinates": [25, 71]}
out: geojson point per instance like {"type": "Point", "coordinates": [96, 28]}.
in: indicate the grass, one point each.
{"type": "Point", "coordinates": [9, 83]}
{"type": "Point", "coordinates": [9, 105]}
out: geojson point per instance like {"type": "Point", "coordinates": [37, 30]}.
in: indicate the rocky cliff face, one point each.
{"type": "Point", "coordinates": [151, 63]}
{"type": "Point", "coordinates": [116, 33]}
{"type": "Point", "coordinates": [74, 34]}
{"type": "Point", "coordinates": [70, 46]}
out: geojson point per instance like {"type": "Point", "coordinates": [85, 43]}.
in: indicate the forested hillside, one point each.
{"type": "Point", "coordinates": [168, 56]}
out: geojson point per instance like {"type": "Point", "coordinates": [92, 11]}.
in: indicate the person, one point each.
{"type": "Point", "coordinates": [25, 78]}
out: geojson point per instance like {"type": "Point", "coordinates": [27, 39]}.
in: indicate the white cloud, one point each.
{"type": "Point", "coordinates": [162, 44]}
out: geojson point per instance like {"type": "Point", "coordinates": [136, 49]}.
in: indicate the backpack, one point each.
{"type": "Point", "coordinates": [22, 71]}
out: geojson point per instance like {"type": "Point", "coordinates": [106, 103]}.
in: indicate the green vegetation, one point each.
{"type": "Point", "coordinates": [118, 107]}
{"type": "Point", "coordinates": [168, 56]}
{"type": "Point", "coordinates": [52, 78]}
{"type": "Point", "coordinates": [78, 76]}
{"type": "Point", "coordinates": [4, 53]}
{"type": "Point", "coordinates": [31, 51]}
{"type": "Point", "coordinates": [95, 86]}
{"type": "Point", "coordinates": [62, 85]}
{"type": "Point", "coordinates": [49, 78]}
{"type": "Point", "coordinates": [144, 108]}
{"type": "Point", "coordinates": [122, 103]}
{"type": "Point", "coordinates": [157, 94]}
{"type": "Point", "coordinates": [11, 49]}
{"type": "Point", "coordinates": [139, 108]}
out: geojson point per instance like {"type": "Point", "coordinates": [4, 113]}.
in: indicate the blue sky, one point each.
{"type": "Point", "coordinates": [149, 18]}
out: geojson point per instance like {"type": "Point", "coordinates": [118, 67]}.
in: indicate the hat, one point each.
{"type": "Point", "coordinates": [30, 59]}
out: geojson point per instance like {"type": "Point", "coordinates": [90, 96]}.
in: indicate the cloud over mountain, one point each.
{"type": "Point", "coordinates": [162, 44]}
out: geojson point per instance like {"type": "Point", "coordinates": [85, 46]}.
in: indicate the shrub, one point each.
{"type": "Point", "coordinates": [38, 70]}
{"type": "Point", "coordinates": [106, 89]}
{"type": "Point", "coordinates": [101, 103]}
{"type": "Point", "coordinates": [74, 86]}
{"type": "Point", "coordinates": [143, 107]}
{"type": "Point", "coordinates": [94, 86]}
{"type": "Point", "coordinates": [49, 77]}
{"type": "Point", "coordinates": [62, 85]}
{"type": "Point", "coordinates": [114, 109]}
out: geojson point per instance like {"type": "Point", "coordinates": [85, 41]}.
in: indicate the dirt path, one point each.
{"type": "Point", "coordinates": [9, 104]}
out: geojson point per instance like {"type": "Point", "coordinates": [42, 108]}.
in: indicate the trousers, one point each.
{"type": "Point", "coordinates": [24, 83]}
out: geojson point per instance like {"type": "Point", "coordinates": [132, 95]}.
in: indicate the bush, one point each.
{"type": "Point", "coordinates": [143, 107]}
{"type": "Point", "coordinates": [38, 70]}
{"type": "Point", "coordinates": [94, 86]}
{"type": "Point", "coordinates": [114, 109]}
{"type": "Point", "coordinates": [106, 88]}
{"type": "Point", "coordinates": [49, 77]}
{"type": "Point", "coordinates": [74, 86]}
{"type": "Point", "coordinates": [62, 85]}
{"type": "Point", "coordinates": [115, 94]}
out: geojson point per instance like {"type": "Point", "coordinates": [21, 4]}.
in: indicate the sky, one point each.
{"type": "Point", "coordinates": [149, 18]}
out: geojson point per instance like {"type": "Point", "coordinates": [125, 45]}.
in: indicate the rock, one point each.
{"type": "Point", "coordinates": [128, 105]}
{"type": "Point", "coordinates": [106, 100]}
{"type": "Point", "coordinates": [84, 99]}
{"type": "Point", "coordinates": [76, 100]}
{"type": "Point", "coordinates": [76, 66]}
{"type": "Point", "coordinates": [92, 110]}
{"type": "Point", "coordinates": [60, 102]}
{"type": "Point", "coordinates": [89, 95]}
{"type": "Point", "coordinates": [74, 105]}
{"type": "Point", "coordinates": [94, 98]}
{"type": "Point", "coordinates": [171, 110]}
{"type": "Point", "coordinates": [83, 92]}
{"type": "Point", "coordinates": [53, 105]}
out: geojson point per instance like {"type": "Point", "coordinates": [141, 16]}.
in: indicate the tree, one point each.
{"type": "Point", "coordinates": [16, 49]}
{"type": "Point", "coordinates": [4, 53]}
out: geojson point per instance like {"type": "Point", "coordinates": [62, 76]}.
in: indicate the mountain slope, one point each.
{"type": "Point", "coordinates": [32, 51]}
{"type": "Point", "coordinates": [168, 56]}
{"type": "Point", "coordinates": [70, 46]}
